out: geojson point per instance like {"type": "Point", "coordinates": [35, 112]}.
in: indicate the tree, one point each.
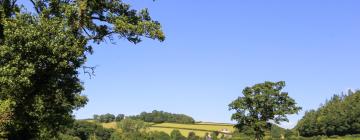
{"type": "Point", "coordinates": [261, 104]}
{"type": "Point", "coordinates": [176, 135]}
{"type": "Point", "coordinates": [133, 129]}
{"type": "Point", "coordinates": [289, 133]}
{"type": "Point", "coordinates": [86, 130]}
{"type": "Point", "coordinates": [192, 136]}
{"type": "Point", "coordinates": [155, 135]}
{"type": "Point", "coordinates": [41, 52]}
{"type": "Point", "coordinates": [131, 126]}
{"type": "Point", "coordinates": [275, 132]}
{"type": "Point", "coordinates": [119, 117]}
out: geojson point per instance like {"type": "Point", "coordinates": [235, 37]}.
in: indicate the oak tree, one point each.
{"type": "Point", "coordinates": [42, 51]}
{"type": "Point", "coordinates": [261, 105]}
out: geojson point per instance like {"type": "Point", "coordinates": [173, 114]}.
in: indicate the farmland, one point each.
{"type": "Point", "coordinates": [200, 129]}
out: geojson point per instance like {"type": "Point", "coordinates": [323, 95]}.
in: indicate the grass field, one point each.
{"type": "Point", "coordinates": [199, 128]}
{"type": "Point", "coordinates": [109, 125]}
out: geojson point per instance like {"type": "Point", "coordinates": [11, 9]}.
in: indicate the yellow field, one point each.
{"type": "Point", "coordinates": [109, 125]}
{"type": "Point", "coordinates": [199, 128]}
{"type": "Point", "coordinates": [209, 127]}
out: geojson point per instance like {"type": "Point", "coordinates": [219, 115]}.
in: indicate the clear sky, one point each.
{"type": "Point", "coordinates": [215, 48]}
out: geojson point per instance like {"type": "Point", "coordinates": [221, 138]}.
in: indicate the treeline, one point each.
{"type": "Point", "coordinates": [154, 116]}
{"type": "Point", "coordinates": [161, 117]}
{"type": "Point", "coordinates": [338, 116]}
{"type": "Point", "coordinates": [105, 118]}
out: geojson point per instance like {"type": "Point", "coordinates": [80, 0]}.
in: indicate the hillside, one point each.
{"type": "Point", "coordinates": [200, 129]}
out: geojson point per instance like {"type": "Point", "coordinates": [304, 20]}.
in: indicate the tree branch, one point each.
{"type": "Point", "coordinates": [35, 7]}
{"type": "Point", "coordinates": [91, 72]}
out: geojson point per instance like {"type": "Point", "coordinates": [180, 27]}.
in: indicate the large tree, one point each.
{"type": "Point", "coordinates": [42, 51]}
{"type": "Point", "coordinates": [261, 105]}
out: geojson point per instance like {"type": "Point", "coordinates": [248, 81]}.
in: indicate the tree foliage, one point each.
{"type": "Point", "coordinates": [338, 116]}
{"type": "Point", "coordinates": [176, 135]}
{"type": "Point", "coordinates": [104, 118]}
{"type": "Point", "coordinates": [87, 130]}
{"type": "Point", "coordinates": [41, 52]}
{"type": "Point", "coordinates": [161, 116]}
{"type": "Point", "coordinates": [261, 104]}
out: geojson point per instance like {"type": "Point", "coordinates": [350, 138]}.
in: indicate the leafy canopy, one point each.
{"type": "Point", "coordinates": [41, 52]}
{"type": "Point", "coordinates": [338, 116]}
{"type": "Point", "coordinates": [261, 104]}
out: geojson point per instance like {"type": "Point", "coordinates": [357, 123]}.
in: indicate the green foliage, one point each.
{"type": "Point", "coordinates": [132, 130]}
{"type": "Point", "coordinates": [40, 54]}
{"type": "Point", "coordinates": [86, 130]}
{"type": "Point", "coordinates": [214, 135]}
{"type": "Point", "coordinates": [192, 136]}
{"type": "Point", "coordinates": [116, 136]}
{"type": "Point", "coordinates": [5, 116]}
{"type": "Point", "coordinates": [119, 117]}
{"type": "Point", "coordinates": [176, 135]}
{"type": "Point", "coordinates": [276, 132]}
{"type": "Point", "coordinates": [39, 76]}
{"type": "Point", "coordinates": [158, 136]}
{"type": "Point", "coordinates": [132, 126]}
{"type": "Point", "coordinates": [260, 104]}
{"type": "Point", "coordinates": [66, 137]}
{"type": "Point", "coordinates": [105, 118]}
{"type": "Point", "coordinates": [161, 117]}
{"type": "Point", "coordinates": [289, 133]}
{"type": "Point", "coordinates": [338, 116]}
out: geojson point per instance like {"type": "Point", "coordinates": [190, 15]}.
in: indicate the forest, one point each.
{"type": "Point", "coordinates": [339, 115]}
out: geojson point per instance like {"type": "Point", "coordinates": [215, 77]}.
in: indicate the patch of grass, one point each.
{"type": "Point", "coordinates": [109, 125]}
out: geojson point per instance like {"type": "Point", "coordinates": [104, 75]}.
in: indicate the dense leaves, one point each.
{"type": "Point", "coordinates": [41, 52]}
{"type": "Point", "coordinates": [161, 116]}
{"type": "Point", "coordinates": [338, 116]}
{"type": "Point", "coordinates": [86, 130]}
{"type": "Point", "coordinates": [261, 104]}
{"type": "Point", "coordinates": [176, 135]}
{"type": "Point", "coordinates": [105, 118]}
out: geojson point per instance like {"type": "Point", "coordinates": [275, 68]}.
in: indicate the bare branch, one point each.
{"type": "Point", "coordinates": [35, 6]}
{"type": "Point", "coordinates": [90, 71]}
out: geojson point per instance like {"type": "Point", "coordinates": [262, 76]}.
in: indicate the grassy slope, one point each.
{"type": "Point", "coordinates": [199, 128]}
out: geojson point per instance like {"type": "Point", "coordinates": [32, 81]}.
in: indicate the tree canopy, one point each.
{"type": "Point", "coordinates": [41, 52]}
{"type": "Point", "coordinates": [161, 116]}
{"type": "Point", "coordinates": [338, 116]}
{"type": "Point", "coordinates": [260, 105]}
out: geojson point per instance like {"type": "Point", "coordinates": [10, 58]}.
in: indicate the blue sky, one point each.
{"type": "Point", "coordinates": [216, 48]}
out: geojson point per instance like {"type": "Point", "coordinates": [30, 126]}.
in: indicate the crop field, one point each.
{"type": "Point", "coordinates": [200, 129]}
